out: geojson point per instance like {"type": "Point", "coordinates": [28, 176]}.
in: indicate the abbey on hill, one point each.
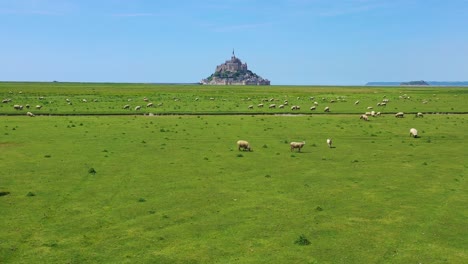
{"type": "Point", "coordinates": [234, 72]}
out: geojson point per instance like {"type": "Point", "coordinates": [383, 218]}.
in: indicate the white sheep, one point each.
{"type": "Point", "coordinates": [18, 107]}
{"type": "Point", "coordinates": [419, 114]}
{"type": "Point", "coordinates": [357, 102]}
{"type": "Point", "coordinates": [243, 145]}
{"type": "Point", "coordinates": [413, 132]}
{"type": "Point", "coordinates": [250, 106]}
{"type": "Point", "coordinates": [327, 109]}
{"type": "Point", "coordinates": [329, 142]}
{"type": "Point", "coordinates": [399, 115]}
{"type": "Point", "coordinates": [281, 106]}
{"type": "Point", "coordinates": [364, 117]}
{"type": "Point", "coordinates": [38, 107]}
{"type": "Point", "coordinates": [297, 145]}
{"type": "Point", "coordinates": [138, 107]}
{"type": "Point", "coordinates": [30, 114]}
{"type": "Point", "coordinates": [312, 108]}
{"type": "Point", "coordinates": [295, 107]}
{"type": "Point", "coordinates": [126, 107]}
{"type": "Point", "coordinates": [149, 105]}
{"type": "Point", "coordinates": [260, 105]}
{"type": "Point", "coordinates": [272, 106]}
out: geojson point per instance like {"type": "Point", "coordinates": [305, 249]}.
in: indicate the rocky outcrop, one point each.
{"type": "Point", "coordinates": [414, 83]}
{"type": "Point", "coordinates": [234, 72]}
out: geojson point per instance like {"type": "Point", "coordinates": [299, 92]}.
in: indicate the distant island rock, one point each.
{"type": "Point", "coordinates": [234, 72]}
{"type": "Point", "coordinates": [431, 83]}
{"type": "Point", "coordinates": [414, 83]}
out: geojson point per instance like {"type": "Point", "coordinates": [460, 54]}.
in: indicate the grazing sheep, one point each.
{"type": "Point", "coordinates": [399, 115]}
{"type": "Point", "coordinates": [297, 145]}
{"type": "Point", "coordinates": [419, 114]}
{"type": "Point", "coordinates": [357, 102]}
{"type": "Point", "coordinates": [327, 109]}
{"type": "Point", "coordinates": [378, 114]}
{"type": "Point", "coordinates": [250, 106]}
{"type": "Point", "coordinates": [364, 117]}
{"type": "Point", "coordinates": [413, 132]}
{"type": "Point", "coordinates": [30, 114]}
{"type": "Point", "coordinates": [272, 106]}
{"type": "Point", "coordinates": [149, 105]}
{"type": "Point", "coordinates": [312, 108]}
{"type": "Point", "coordinates": [145, 99]}
{"type": "Point", "coordinates": [27, 106]}
{"type": "Point", "coordinates": [369, 107]}
{"type": "Point", "coordinates": [138, 107]}
{"type": "Point", "coordinates": [6, 101]}
{"type": "Point", "coordinates": [243, 145]}
{"type": "Point", "coordinates": [281, 106]}
{"type": "Point", "coordinates": [260, 105]}
{"type": "Point", "coordinates": [38, 107]}
{"type": "Point", "coordinates": [329, 142]}
{"type": "Point", "coordinates": [315, 103]}
{"type": "Point", "coordinates": [372, 113]}
{"type": "Point", "coordinates": [295, 107]}
{"type": "Point", "coordinates": [126, 107]}
{"type": "Point", "coordinates": [18, 107]}
{"type": "Point", "coordinates": [84, 101]}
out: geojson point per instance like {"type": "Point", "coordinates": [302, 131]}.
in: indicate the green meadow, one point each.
{"type": "Point", "coordinates": [102, 98]}
{"type": "Point", "coordinates": [95, 183]}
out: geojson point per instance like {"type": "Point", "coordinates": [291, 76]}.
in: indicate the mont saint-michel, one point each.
{"type": "Point", "coordinates": [234, 72]}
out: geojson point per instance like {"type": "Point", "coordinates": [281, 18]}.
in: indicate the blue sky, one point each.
{"type": "Point", "coordinates": [347, 42]}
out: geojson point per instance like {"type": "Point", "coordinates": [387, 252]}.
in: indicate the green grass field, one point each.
{"type": "Point", "coordinates": [195, 99]}
{"type": "Point", "coordinates": [79, 186]}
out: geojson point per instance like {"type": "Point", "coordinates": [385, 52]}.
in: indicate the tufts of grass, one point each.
{"type": "Point", "coordinates": [302, 241]}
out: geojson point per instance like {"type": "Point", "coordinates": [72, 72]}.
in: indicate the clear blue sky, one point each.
{"type": "Point", "coordinates": [286, 41]}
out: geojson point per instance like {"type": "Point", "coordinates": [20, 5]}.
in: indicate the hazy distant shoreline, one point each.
{"type": "Point", "coordinates": [431, 83]}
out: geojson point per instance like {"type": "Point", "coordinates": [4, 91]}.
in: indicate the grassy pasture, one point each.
{"type": "Point", "coordinates": [182, 99]}
{"type": "Point", "coordinates": [175, 189]}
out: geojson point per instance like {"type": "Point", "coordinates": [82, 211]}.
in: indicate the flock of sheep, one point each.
{"type": "Point", "coordinates": [244, 145]}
